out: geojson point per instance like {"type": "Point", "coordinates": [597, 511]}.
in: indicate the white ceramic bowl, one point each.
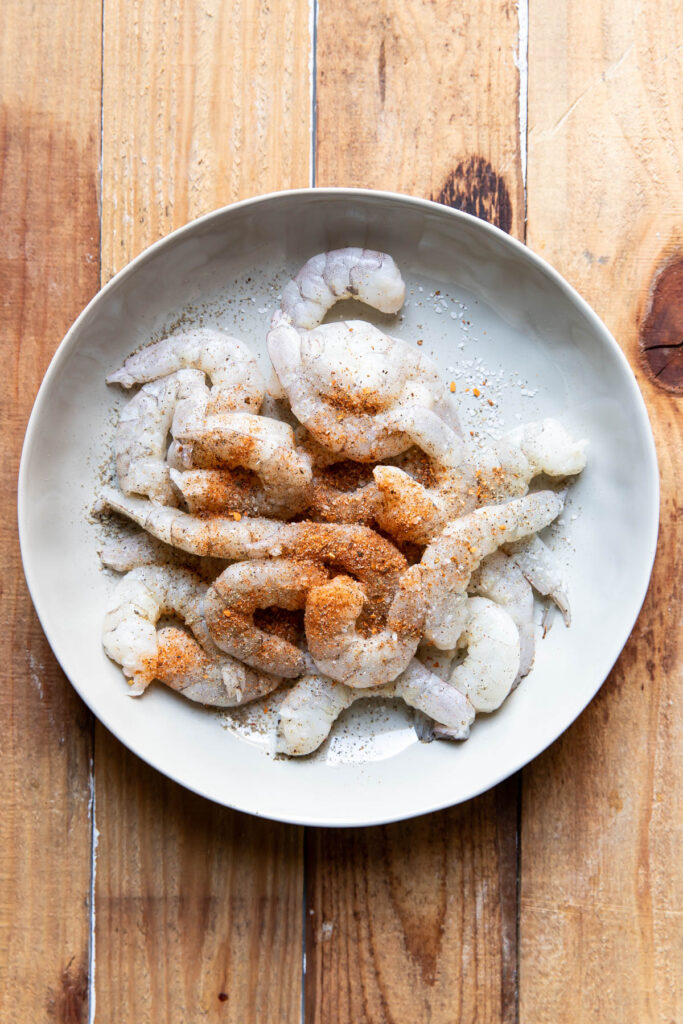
{"type": "Point", "coordinates": [500, 314]}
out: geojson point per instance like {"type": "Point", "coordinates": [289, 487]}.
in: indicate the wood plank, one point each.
{"type": "Point", "coordinates": [417, 921]}
{"type": "Point", "coordinates": [49, 267]}
{"type": "Point", "coordinates": [601, 838]}
{"type": "Point", "coordinates": [422, 97]}
{"type": "Point", "coordinates": [198, 909]}
{"type": "Point", "coordinates": [203, 104]}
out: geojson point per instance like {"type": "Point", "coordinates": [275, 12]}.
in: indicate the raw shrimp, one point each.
{"type": "Point", "coordinates": [311, 707]}
{"type": "Point", "coordinates": [363, 274]}
{"type": "Point", "coordinates": [179, 456]}
{"type": "Point", "coordinates": [217, 536]}
{"type": "Point", "coordinates": [449, 561]}
{"type": "Point", "coordinates": [493, 652]}
{"type": "Point", "coordinates": [363, 394]}
{"type": "Point", "coordinates": [356, 550]}
{"type": "Point", "coordinates": [320, 456]}
{"type": "Point", "coordinates": [142, 432]}
{"type": "Point", "coordinates": [130, 637]}
{"type": "Point", "coordinates": [228, 490]}
{"type": "Point", "coordinates": [256, 443]}
{"type": "Point", "coordinates": [426, 728]}
{"type": "Point", "coordinates": [343, 493]}
{"type": "Point", "coordinates": [410, 511]}
{"type": "Point", "coordinates": [437, 661]}
{"type": "Point", "coordinates": [129, 551]}
{"type": "Point", "coordinates": [236, 380]}
{"type": "Point", "coordinates": [501, 580]}
{"type": "Point", "coordinates": [407, 510]}
{"type": "Point", "coordinates": [230, 604]}
{"type": "Point", "coordinates": [183, 457]}
{"type": "Point", "coordinates": [504, 469]}
{"type": "Point", "coordinates": [362, 661]}
{"type": "Point", "coordinates": [548, 448]}
{"type": "Point", "coordinates": [216, 680]}
{"type": "Point", "coordinates": [540, 567]}
{"type": "Point", "coordinates": [143, 595]}
{"type": "Point", "coordinates": [490, 669]}
{"type": "Point", "coordinates": [332, 505]}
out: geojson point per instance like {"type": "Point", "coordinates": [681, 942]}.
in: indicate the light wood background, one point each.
{"type": "Point", "coordinates": [555, 897]}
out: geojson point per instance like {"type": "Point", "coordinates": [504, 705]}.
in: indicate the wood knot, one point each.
{"type": "Point", "coordinates": [69, 1003]}
{"type": "Point", "coordinates": [661, 333]}
{"type": "Point", "coordinates": [475, 188]}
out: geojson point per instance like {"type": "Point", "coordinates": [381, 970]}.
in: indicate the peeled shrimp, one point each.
{"type": "Point", "coordinates": [490, 669]}
{"type": "Point", "coordinates": [142, 432]}
{"type": "Point", "coordinates": [549, 448]}
{"type": "Point", "coordinates": [140, 599]}
{"type": "Point", "coordinates": [492, 662]}
{"type": "Point", "coordinates": [130, 551]}
{"type": "Point", "coordinates": [539, 566]}
{"type": "Point", "coordinates": [217, 536]}
{"type": "Point", "coordinates": [437, 661]}
{"type": "Point", "coordinates": [332, 505]}
{"type": "Point", "coordinates": [130, 638]}
{"type": "Point", "coordinates": [345, 655]}
{"type": "Point", "coordinates": [311, 707]}
{"type": "Point", "coordinates": [256, 443]}
{"type": "Point", "coordinates": [236, 380]}
{"type": "Point", "coordinates": [409, 511]}
{"type": "Point", "coordinates": [356, 550]}
{"type": "Point", "coordinates": [320, 456]}
{"type": "Point", "coordinates": [343, 493]}
{"type": "Point", "coordinates": [449, 561]}
{"type": "Point", "coordinates": [230, 604]}
{"type": "Point", "coordinates": [227, 490]}
{"type": "Point", "coordinates": [218, 680]}
{"type": "Point", "coordinates": [183, 457]}
{"type": "Point", "coordinates": [362, 274]}
{"type": "Point", "coordinates": [501, 580]}
{"type": "Point", "coordinates": [363, 394]}
{"type": "Point", "coordinates": [129, 632]}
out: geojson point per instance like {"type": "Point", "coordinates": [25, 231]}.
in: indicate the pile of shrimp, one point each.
{"type": "Point", "coordinates": [332, 536]}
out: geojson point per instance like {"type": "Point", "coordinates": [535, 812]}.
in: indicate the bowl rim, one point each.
{"type": "Point", "coordinates": [521, 251]}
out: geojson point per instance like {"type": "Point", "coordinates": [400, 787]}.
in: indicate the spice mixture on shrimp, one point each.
{"type": "Point", "coordinates": [334, 536]}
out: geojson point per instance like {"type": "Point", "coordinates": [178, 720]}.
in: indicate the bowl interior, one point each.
{"type": "Point", "coordinates": [493, 316]}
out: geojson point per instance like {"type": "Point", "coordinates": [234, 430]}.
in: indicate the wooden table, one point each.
{"type": "Point", "coordinates": [554, 898]}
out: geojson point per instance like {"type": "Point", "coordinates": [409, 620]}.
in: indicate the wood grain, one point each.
{"type": "Point", "coordinates": [49, 268]}
{"type": "Point", "coordinates": [417, 921]}
{"type": "Point", "coordinates": [422, 97]}
{"type": "Point", "coordinates": [199, 909]}
{"type": "Point", "coordinates": [601, 837]}
{"type": "Point", "coordinates": [204, 103]}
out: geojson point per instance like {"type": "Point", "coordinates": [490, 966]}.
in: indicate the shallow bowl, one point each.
{"type": "Point", "coordinates": [495, 317]}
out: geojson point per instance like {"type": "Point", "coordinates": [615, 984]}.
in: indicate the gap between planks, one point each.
{"type": "Point", "coordinates": [313, 65]}
{"type": "Point", "coordinates": [522, 63]}
{"type": "Point", "coordinates": [94, 834]}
